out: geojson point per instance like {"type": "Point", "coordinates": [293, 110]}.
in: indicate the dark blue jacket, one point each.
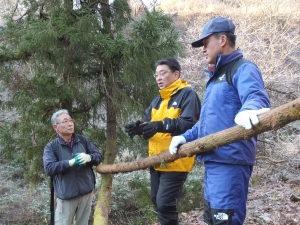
{"type": "Point", "coordinates": [71, 182]}
{"type": "Point", "coordinates": [222, 102]}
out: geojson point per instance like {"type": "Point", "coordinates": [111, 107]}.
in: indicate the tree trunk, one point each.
{"type": "Point", "coordinates": [104, 199]}
{"type": "Point", "coordinates": [271, 120]}
{"type": "Point", "coordinates": [104, 196]}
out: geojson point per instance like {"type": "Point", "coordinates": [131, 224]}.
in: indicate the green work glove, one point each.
{"type": "Point", "coordinates": [83, 158]}
{"type": "Point", "coordinates": [74, 161]}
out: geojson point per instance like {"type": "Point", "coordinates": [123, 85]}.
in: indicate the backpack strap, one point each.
{"type": "Point", "coordinates": [232, 67]}
{"type": "Point", "coordinates": [228, 71]}
{"type": "Point", "coordinates": [82, 141]}
{"type": "Point", "coordinates": [55, 147]}
{"type": "Point", "coordinates": [52, 211]}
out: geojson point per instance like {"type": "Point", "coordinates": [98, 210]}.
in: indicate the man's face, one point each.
{"type": "Point", "coordinates": [165, 77]}
{"type": "Point", "coordinates": [65, 125]}
{"type": "Point", "coordinates": [211, 48]}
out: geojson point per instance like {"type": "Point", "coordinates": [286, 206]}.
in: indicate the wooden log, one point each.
{"type": "Point", "coordinates": [272, 120]}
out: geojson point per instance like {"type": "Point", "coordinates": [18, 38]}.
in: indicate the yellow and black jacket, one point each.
{"type": "Point", "coordinates": [178, 107]}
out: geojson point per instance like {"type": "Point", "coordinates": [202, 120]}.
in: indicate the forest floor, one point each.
{"type": "Point", "coordinates": [272, 199]}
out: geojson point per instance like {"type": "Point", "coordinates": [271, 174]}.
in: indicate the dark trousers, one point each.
{"type": "Point", "coordinates": [166, 188]}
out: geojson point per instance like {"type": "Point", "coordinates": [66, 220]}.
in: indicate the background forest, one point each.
{"type": "Point", "coordinates": [97, 59]}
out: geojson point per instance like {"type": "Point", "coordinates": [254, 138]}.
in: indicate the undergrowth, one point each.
{"type": "Point", "coordinates": [21, 204]}
{"type": "Point", "coordinates": [131, 197]}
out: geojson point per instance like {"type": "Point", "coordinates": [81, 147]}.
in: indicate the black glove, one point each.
{"type": "Point", "coordinates": [134, 128]}
{"type": "Point", "coordinates": [152, 128]}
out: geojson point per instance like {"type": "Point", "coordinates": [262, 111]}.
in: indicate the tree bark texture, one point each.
{"type": "Point", "coordinates": [271, 120]}
{"type": "Point", "coordinates": [102, 208]}
{"type": "Point", "coordinates": [104, 199]}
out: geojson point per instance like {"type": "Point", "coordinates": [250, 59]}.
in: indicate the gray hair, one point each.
{"type": "Point", "coordinates": [54, 118]}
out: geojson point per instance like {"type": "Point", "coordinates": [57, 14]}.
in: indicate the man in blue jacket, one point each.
{"type": "Point", "coordinates": [68, 159]}
{"type": "Point", "coordinates": [229, 100]}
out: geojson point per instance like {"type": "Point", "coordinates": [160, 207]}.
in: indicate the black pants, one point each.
{"type": "Point", "coordinates": [166, 188]}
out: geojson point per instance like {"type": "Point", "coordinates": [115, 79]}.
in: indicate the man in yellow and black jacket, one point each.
{"type": "Point", "coordinates": [175, 110]}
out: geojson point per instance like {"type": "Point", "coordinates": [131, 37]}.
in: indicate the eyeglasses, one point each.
{"type": "Point", "coordinates": [161, 73]}
{"type": "Point", "coordinates": [66, 121]}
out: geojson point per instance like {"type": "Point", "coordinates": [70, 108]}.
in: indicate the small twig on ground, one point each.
{"type": "Point", "coordinates": [271, 161]}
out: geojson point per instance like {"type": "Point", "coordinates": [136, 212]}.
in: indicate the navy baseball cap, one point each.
{"type": "Point", "coordinates": [216, 25]}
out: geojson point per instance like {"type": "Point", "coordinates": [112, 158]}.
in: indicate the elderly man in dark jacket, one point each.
{"type": "Point", "coordinates": [69, 159]}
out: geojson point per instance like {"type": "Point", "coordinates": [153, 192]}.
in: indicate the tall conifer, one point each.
{"type": "Point", "coordinates": [95, 60]}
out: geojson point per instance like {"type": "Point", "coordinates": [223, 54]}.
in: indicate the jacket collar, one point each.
{"type": "Point", "coordinates": [173, 88]}
{"type": "Point", "coordinates": [227, 58]}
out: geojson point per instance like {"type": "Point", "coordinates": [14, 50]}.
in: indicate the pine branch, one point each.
{"type": "Point", "coordinates": [16, 7]}
{"type": "Point", "coordinates": [14, 57]}
{"type": "Point", "coordinates": [32, 9]}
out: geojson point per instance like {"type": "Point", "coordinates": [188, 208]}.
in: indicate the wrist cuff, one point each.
{"type": "Point", "coordinates": [160, 126]}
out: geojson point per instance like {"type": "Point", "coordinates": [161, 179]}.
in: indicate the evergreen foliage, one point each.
{"type": "Point", "coordinates": [56, 57]}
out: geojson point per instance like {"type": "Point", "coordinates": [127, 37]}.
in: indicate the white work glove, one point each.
{"type": "Point", "coordinates": [71, 162]}
{"type": "Point", "coordinates": [246, 117]}
{"type": "Point", "coordinates": [83, 158]}
{"type": "Point", "coordinates": [175, 142]}
{"type": "Point", "coordinates": [74, 161]}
